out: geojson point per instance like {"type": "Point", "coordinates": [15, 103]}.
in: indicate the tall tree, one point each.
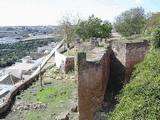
{"type": "Point", "coordinates": [94, 27]}
{"type": "Point", "coordinates": [153, 21]}
{"type": "Point", "coordinates": [131, 22]}
{"type": "Point", "coordinates": [106, 29]}
{"type": "Point", "coordinates": [67, 26]}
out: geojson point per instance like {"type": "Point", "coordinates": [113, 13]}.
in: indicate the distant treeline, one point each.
{"type": "Point", "coordinates": [10, 53]}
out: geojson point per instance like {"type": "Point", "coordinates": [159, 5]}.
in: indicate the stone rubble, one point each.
{"type": "Point", "coordinates": [30, 106]}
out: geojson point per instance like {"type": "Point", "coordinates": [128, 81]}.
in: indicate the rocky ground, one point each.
{"type": "Point", "coordinates": [56, 100]}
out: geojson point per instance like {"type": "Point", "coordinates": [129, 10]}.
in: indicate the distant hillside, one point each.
{"type": "Point", "coordinates": [12, 34]}
{"type": "Point", "coordinates": [10, 53]}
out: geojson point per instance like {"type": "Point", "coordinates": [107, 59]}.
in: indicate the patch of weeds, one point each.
{"type": "Point", "coordinates": [35, 115]}
{"type": "Point", "coordinates": [56, 96]}
{"type": "Point", "coordinates": [59, 91]}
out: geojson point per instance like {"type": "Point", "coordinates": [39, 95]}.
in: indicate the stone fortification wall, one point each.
{"type": "Point", "coordinates": [119, 51]}
{"type": "Point", "coordinates": [117, 68]}
{"type": "Point", "coordinates": [135, 53]}
{"type": "Point", "coordinates": [92, 76]}
{"type": "Point", "coordinates": [125, 55]}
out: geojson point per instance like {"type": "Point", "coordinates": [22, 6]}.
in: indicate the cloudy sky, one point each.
{"type": "Point", "coordinates": [49, 12]}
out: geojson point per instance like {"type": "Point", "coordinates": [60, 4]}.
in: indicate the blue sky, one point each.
{"type": "Point", "coordinates": [50, 12]}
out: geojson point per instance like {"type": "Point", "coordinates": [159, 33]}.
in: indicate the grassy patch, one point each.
{"type": "Point", "coordinates": [56, 96]}
{"type": "Point", "coordinates": [59, 91]}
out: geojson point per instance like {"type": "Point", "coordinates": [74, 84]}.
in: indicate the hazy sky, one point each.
{"type": "Point", "coordinates": [49, 12]}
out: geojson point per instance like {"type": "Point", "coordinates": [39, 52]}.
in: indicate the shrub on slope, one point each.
{"type": "Point", "coordinates": [156, 37]}
{"type": "Point", "coordinates": [140, 99]}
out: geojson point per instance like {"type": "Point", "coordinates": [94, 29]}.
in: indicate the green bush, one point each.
{"type": "Point", "coordinates": [131, 22]}
{"type": "Point", "coordinates": [94, 27]}
{"type": "Point", "coordinates": [156, 37]}
{"type": "Point", "coordinates": [140, 99]}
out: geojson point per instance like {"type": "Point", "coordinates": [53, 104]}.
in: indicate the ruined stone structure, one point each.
{"type": "Point", "coordinates": [64, 63]}
{"type": "Point", "coordinates": [92, 81]}
{"type": "Point", "coordinates": [135, 53]}
{"type": "Point", "coordinates": [107, 73]}
{"type": "Point", "coordinates": [126, 55]}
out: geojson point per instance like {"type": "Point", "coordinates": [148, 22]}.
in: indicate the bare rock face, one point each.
{"type": "Point", "coordinates": [63, 116]}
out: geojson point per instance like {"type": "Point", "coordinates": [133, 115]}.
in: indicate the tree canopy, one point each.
{"type": "Point", "coordinates": [67, 28]}
{"type": "Point", "coordinates": [131, 22]}
{"type": "Point", "coordinates": [94, 27]}
{"type": "Point", "coordinates": [153, 21]}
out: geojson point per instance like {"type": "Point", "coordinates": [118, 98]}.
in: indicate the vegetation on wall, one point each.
{"type": "Point", "coordinates": [140, 99]}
